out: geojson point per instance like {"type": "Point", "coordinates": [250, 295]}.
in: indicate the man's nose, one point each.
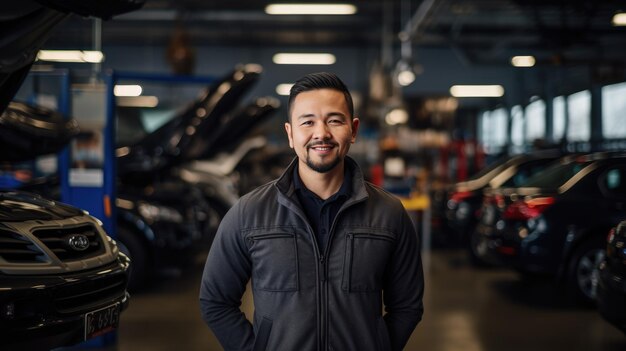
{"type": "Point", "coordinates": [321, 131]}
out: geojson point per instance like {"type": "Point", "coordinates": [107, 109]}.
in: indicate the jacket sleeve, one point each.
{"type": "Point", "coordinates": [404, 286]}
{"type": "Point", "coordinates": [226, 273]}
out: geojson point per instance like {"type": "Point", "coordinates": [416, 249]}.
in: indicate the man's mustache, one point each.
{"type": "Point", "coordinates": [319, 143]}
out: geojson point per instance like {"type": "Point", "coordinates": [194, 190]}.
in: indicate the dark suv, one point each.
{"type": "Point", "coordinates": [62, 279]}
{"type": "Point", "coordinates": [556, 223]}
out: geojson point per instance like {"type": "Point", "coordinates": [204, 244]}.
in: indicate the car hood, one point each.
{"type": "Point", "coordinates": [22, 206]}
{"type": "Point", "coordinates": [188, 135]}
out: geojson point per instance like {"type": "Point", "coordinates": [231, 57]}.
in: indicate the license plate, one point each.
{"type": "Point", "coordinates": [102, 321]}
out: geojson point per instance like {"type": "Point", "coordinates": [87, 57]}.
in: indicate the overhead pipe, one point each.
{"type": "Point", "coordinates": [413, 25]}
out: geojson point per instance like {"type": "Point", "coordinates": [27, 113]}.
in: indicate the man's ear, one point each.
{"type": "Point", "coordinates": [288, 131]}
{"type": "Point", "coordinates": [355, 128]}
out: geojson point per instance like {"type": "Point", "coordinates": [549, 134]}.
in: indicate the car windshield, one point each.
{"type": "Point", "coordinates": [555, 175]}
{"type": "Point", "coordinates": [135, 123]}
{"type": "Point", "coordinates": [491, 168]}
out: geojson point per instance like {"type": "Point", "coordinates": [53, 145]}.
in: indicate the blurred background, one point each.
{"type": "Point", "coordinates": [499, 124]}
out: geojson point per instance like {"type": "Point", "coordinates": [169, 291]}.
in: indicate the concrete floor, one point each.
{"type": "Point", "coordinates": [465, 309]}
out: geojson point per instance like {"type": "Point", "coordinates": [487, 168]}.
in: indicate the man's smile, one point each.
{"type": "Point", "coordinates": [322, 148]}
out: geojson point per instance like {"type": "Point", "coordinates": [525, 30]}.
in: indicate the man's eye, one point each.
{"type": "Point", "coordinates": [335, 121]}
{"type": "Point", "coordinates": [306, 123]}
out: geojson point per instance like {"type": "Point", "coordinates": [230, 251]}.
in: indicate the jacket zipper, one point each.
{"type": "Point", "coordinates": [322, 284]}
{"type": "Point", "coordinates": [320, 273]}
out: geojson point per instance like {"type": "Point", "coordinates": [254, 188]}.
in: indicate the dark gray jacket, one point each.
{"type": "Point", "coordinates": [306, 299]}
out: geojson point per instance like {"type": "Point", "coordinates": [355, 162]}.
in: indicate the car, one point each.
{"type": "Point", "coordinates": [62, 278]}
{"type": "Point", "coordinates": [611, 282]}
{"type": "Point", "coordinates": [462, 211]}
{"type": "Point", "coordinates": [162, 218]}
{"type": "Point", "coordinates": [554, 224]}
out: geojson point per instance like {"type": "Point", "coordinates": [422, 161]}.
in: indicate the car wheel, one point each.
{"type": "Point", "coordinates": [583, 270]}
{"type": "Point", "coordinates": [133, 247]}
{"type": "Point", "coordinates": [478, 250]}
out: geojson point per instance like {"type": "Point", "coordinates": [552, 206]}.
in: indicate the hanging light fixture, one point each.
{"type": "Point", "coordinates": [406, 70]}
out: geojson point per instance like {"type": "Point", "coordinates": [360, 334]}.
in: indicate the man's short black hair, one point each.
{"type": "Point", "coordinates": [320, 80]}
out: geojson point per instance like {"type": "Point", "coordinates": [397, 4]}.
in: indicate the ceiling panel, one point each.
{"type": "Point", "coordinates": [488, 32]}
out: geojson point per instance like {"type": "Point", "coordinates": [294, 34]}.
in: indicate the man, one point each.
{"type": "Point", "coordinates": [324, 248]}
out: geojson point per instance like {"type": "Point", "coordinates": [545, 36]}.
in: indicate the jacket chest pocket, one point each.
{"type": "Point", "coordinates": [274, 261]}
{"type": "Point", "coordinates": [365, 260]}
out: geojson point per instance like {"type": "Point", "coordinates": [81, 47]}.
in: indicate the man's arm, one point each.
{"type": "Point", "coordinates": [226, 273]}
{"type": "Point", "coordinates": [404, 287]}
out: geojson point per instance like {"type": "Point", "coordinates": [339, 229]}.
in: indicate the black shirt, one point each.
{"type": "Point", "coordinates": [322, 213]}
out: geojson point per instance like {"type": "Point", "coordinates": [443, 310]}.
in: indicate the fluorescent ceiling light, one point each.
{"type": "Point", "coordinates": [304, 59]}
{"type": "Point", "coordinates": [283, 89]}
{"type": "Point", "coordinates": [523, 61]}
{"type": "Point", "coordinates": [619, 19]}
{"type": "Point", "coordinates": [70, 56]}
{"type": "Point", "coordinates": [477, 90]}
{"type": "Point", "coordinates": [310, 9]}
{"type": "Point", "coordinates": [127, 90]}
{"type": "Point", "coordinates": [137, 101]}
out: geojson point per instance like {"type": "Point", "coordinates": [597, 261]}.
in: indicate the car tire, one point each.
{"type": "Point", "coordinates": [131, 245]}
{"type": "Point", "coordinates": [583, 270]}
{"type": "Point", "coordinates": [477, 249]}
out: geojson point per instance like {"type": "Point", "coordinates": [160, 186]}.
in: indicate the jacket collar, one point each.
{"type": "Point", "coordinates": [285, 183]}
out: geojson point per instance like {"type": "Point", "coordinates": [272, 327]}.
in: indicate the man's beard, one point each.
{"type": "Point", "coordinates": [322, 167]}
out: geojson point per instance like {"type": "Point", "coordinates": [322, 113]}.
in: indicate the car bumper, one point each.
{"type": "Point", "coordinates": [529, 254]}
{"type": "Point", "coordinates": [611, 298]}
{"type": "Point", "coordinates": [44, 312]}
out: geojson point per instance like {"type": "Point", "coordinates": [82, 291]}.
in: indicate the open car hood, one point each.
{"type": "Point", "coordinates": [187, 136]}
{"type": "Point", "coordinates": [236, 126]}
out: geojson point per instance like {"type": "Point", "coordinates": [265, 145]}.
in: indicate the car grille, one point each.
{"type": "Point", "coordinates": [58, 241]}
{"type": "Point", "coordinates": [86, 294]}
{"type": "Point", "coordinates": [16, 248]}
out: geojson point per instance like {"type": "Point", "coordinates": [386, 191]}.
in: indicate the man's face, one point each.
{"type": "Point", "coordinates": [321, 129]}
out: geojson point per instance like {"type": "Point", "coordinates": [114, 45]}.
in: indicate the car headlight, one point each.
{"type": "Point", "coordinates": [155, 213]}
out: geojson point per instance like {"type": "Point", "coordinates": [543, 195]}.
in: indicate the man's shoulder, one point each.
{"type": "Point", "coordinates": [380, 195]}
{"type": "Point", "coordinates": [265, 192]}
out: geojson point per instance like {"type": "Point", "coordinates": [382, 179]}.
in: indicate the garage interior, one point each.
{"type": "Point", "coordinates": [401, 60]}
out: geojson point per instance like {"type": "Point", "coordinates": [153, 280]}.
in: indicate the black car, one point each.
{"type": "Point", "coordinates": [62, 279]}
{"type": "Point", "coordinates": [611, 292]}
{"type": "Point", "coordinates": [163, 219]}
{"type": "Point", "coordinates": [465, 198]}
{"type": "Point", "coordinates": [556, 222]}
